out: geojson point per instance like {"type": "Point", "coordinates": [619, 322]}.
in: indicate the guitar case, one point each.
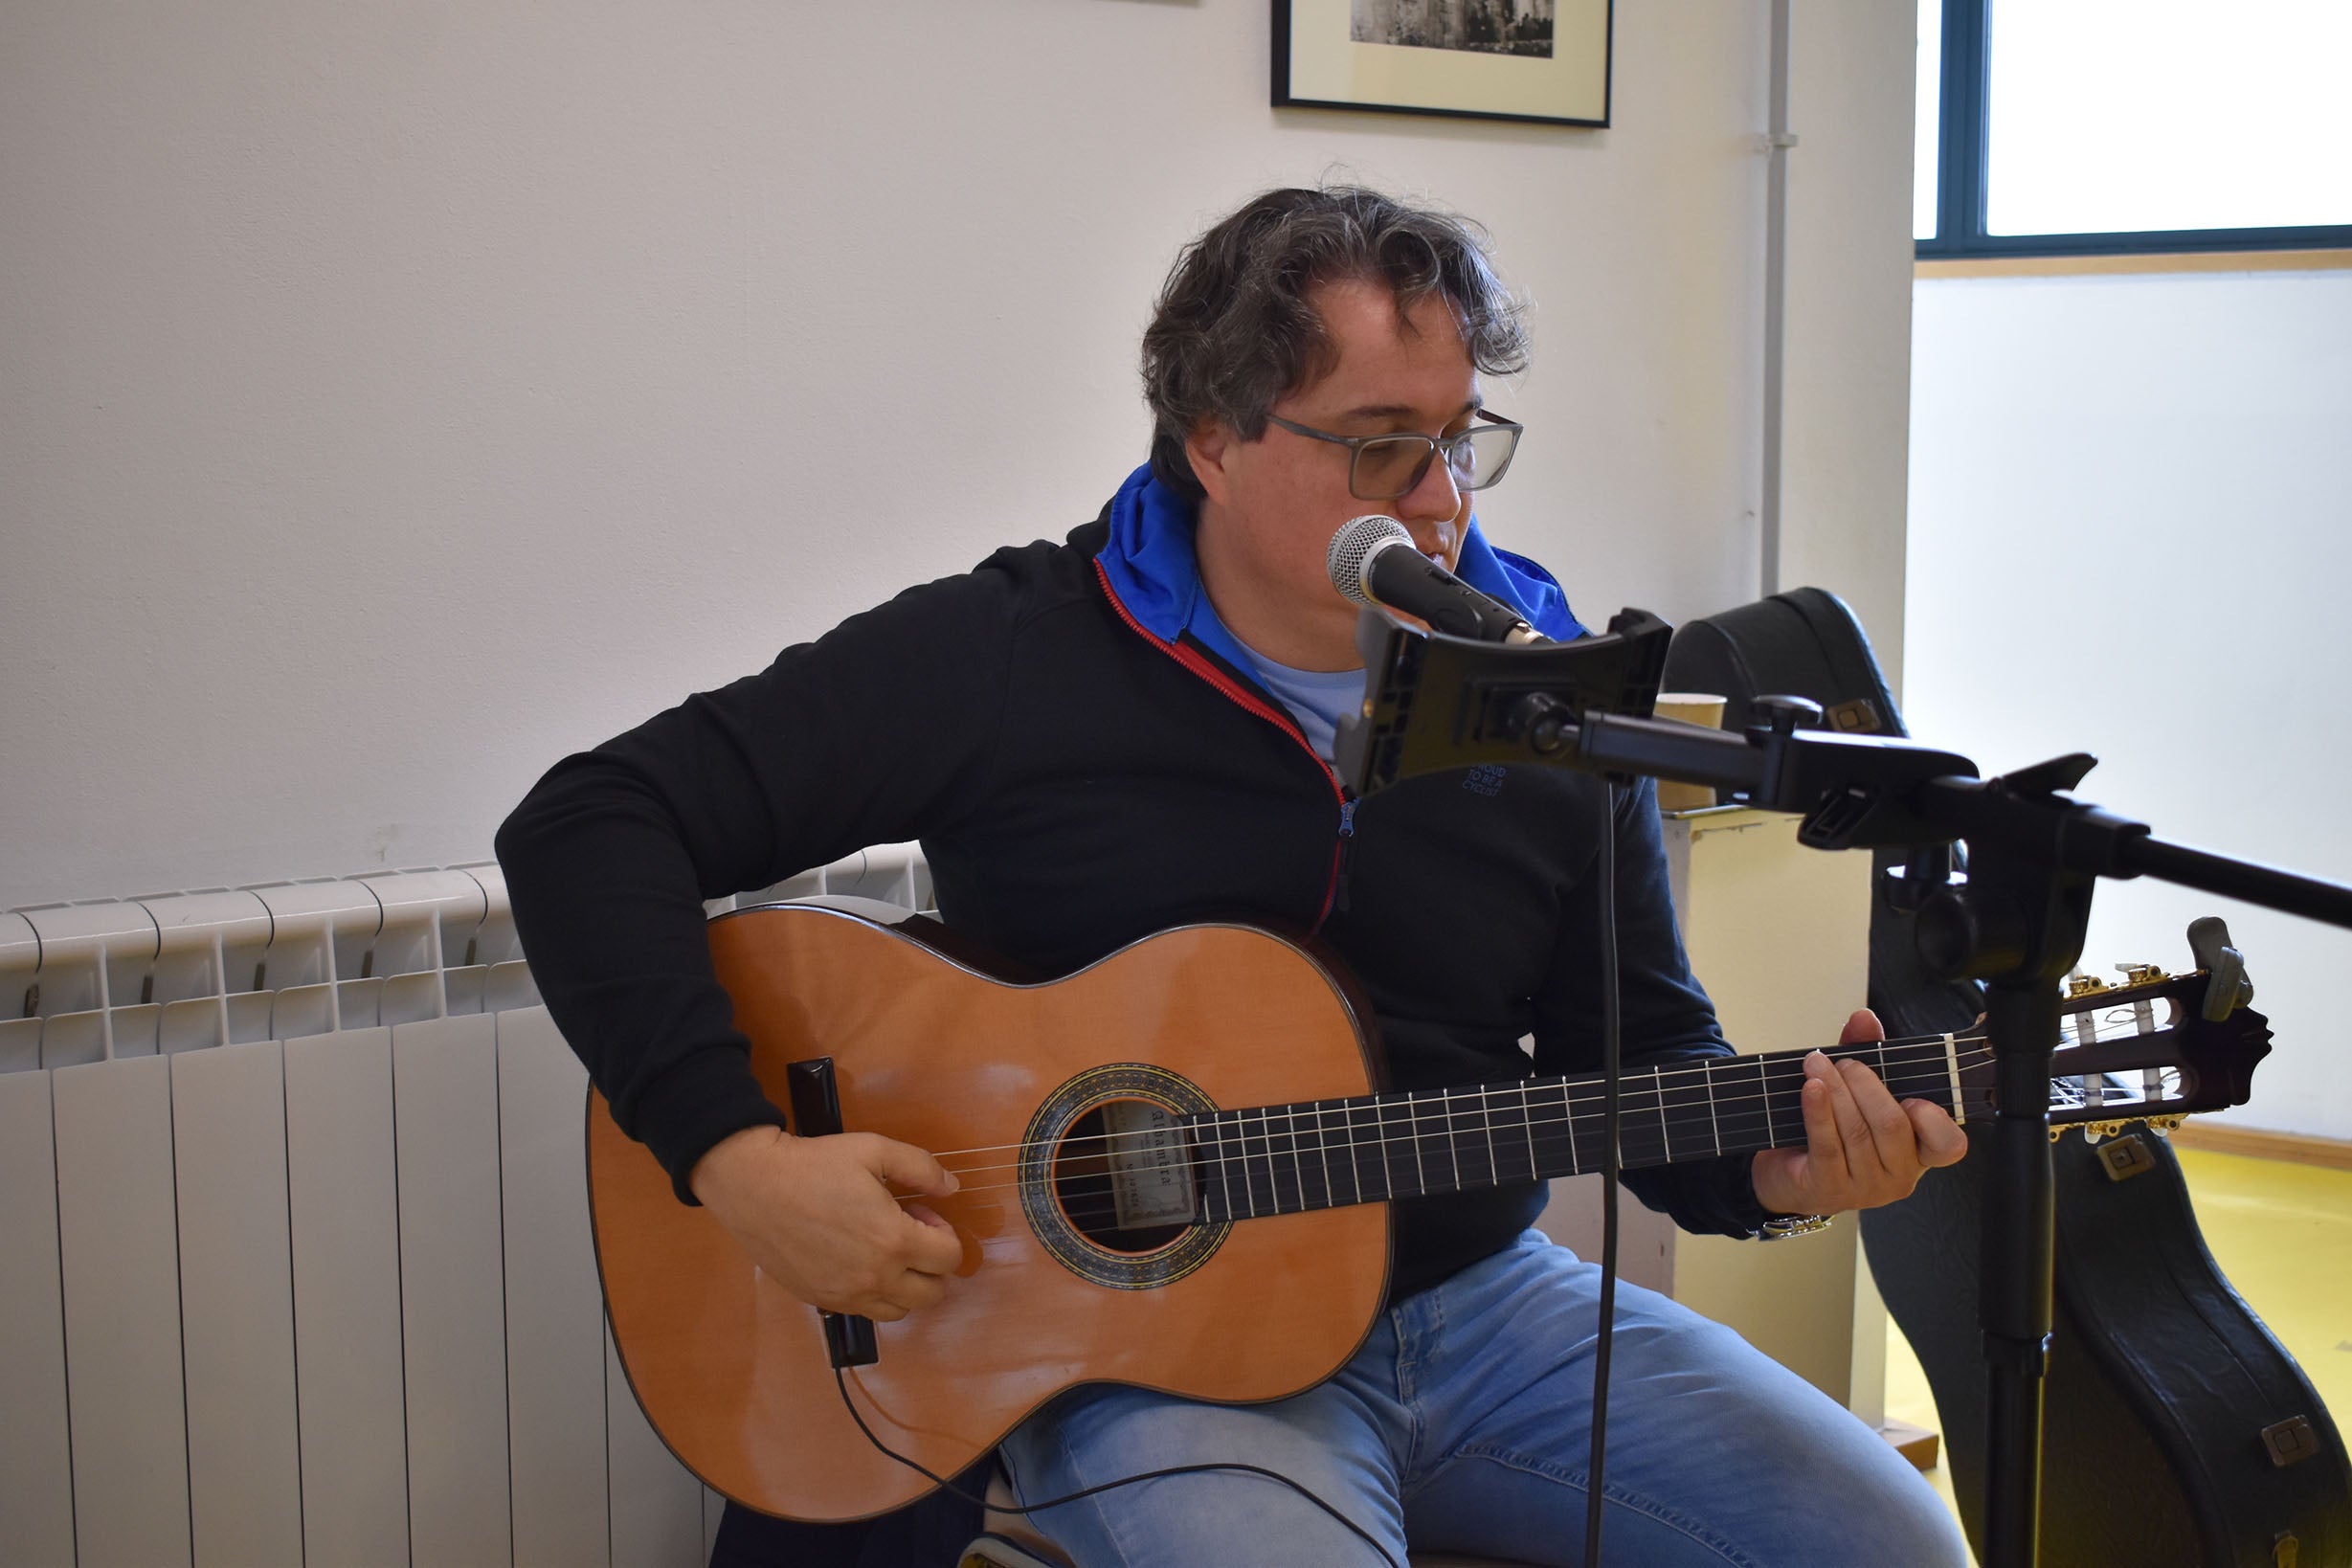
{"type": "Point", "coordinates": [1807, 644]}
{"type": "Point", "coordinates": [2177, 1429]}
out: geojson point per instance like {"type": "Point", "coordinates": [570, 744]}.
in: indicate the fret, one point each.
{"type": "Point", "coordinates": [1233, 1160]}
{"type": "Point", "coordinates": [1560, 1134]}
{"type": "Point", "coordinates": [1789, 1067]}
{"type": "Point", "coordinates": [1228, 1165]}
{"type": "Point", "coordinates": [1288, 1159]}
{"type": "Point", "coordinates": [1453, 1144]}
{"type": "Point", "coordinates": [1204, 1192]}
{"type": "Point", "coordinates": [1283, 1153]}
{"type": "Point", "coordinates": [1917, 1074]}
{"type": "Point", "coordinates": [1276, 1200]}
{"type": "Point", "coordinates": [1951, 1057]}
{"type": "Point", "coordinates": [1390, 1113]}
{"type": "Point", "coordinates": [1216, 1202]}
{"type": "Point", "coordinates": [1715, 1128]}
{"type": "Point", "coordinates": [1314, 1174]}
{"type": "Point", "coordinates": [1739, 1117]}
{"type": "Point", "coordinates": [1485, 1114]}
{"type": "Point", "coordinates": [1355, 1168]}
{"type": "Point", "coordinates": [1293, 1166]}
{"type": "Point", "coordinates": [1249, 1174]}
{"type": "Point", "coordinates": [1205, 1195]}
{"type": "Point", "coordinates": [1514, 1105]}
{"type": "Point", "coordinates": [1527, 1120]}
{"type": "Point", "coordinates": [1588, 1127]}
{"type": "Point", "coordinates": [1363, 1145]}
{"type": "Point", "coordinates": [1341, 1136]}
{"type": "Point", "coordinates": [1641, 1133]}
{"type": "Point", "coordinates": [1323, 1157]}
{"type": "Point", "coordinates": [1689, 1132]}
{"type": "Point", "coordinates": [1484, 1128]}
{"type": "Point", "coordinates": [1420, 1177]}
{"type": "Point", "coordinates": [1376, 1145]}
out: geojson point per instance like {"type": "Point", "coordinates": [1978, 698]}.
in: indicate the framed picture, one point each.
{"type": "Point", "coordinates": [1541, 60]}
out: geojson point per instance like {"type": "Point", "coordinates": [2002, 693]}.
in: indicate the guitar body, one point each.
{"type": "Point", "coordinates": [734, 1374]}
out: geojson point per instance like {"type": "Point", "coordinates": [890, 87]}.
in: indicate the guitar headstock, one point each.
{"type": "Point", "coordinates": [2144, 1050]}
{"type": "Point", "coordinates": [2141, 1050]}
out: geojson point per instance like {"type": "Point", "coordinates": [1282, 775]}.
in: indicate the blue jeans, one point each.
{"type": "Point", "coordinates": [1463, 1425]}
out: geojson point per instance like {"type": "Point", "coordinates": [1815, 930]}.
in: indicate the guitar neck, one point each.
{"type": "Point", "coordinates": [1283, 1160]}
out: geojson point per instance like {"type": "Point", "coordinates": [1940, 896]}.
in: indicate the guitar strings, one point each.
{"type": "Point", "coordinates": [1419, 1116]}
{"type": "Point", "coordinates": [1544, 1146]}
{"type": "Point", "coordinates": [1423, 1121]}
{"type": "Point", "coordinates": [1219, 1156]}
{"type": "Point", "coordinates": [1975, 1102]}
{"type": "Point", "coordinates": [1922, 1050]}
{"type": "Point", "coordinates": [1103, 1208]}
{"type": "Point", "coordinates": [1420, 1101]}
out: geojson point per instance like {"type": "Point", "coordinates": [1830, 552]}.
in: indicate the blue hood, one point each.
{"type": "Point", "coordinates": [1150, 566]}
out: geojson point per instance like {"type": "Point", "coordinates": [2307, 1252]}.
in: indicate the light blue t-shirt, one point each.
{"type": "Point", "coordinates": [1316, 698]}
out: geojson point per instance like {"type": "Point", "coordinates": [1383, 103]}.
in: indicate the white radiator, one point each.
{"type": "Point", "coordinates": [295, 1263]}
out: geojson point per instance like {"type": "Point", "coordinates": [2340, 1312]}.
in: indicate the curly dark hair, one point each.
{"type": "Point", "coordinates": [1233, 332]}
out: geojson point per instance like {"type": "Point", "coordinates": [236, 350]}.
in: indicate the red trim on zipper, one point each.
{"type": "Point", "coordinates": [1225, 684]}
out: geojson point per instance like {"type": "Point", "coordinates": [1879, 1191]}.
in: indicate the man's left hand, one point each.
{"type": "Point", "coordinates": [1861, 1148]}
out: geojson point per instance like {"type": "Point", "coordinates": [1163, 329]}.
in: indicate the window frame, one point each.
{"type": "Point", "coordinates": [1962, 140]}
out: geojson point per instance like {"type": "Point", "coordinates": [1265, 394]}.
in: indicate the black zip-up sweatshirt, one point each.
{"type": "Point", "coordinates": [1078, 783]}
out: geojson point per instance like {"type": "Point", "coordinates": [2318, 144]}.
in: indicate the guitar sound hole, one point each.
{"type": "Point", "coordinates": [1123, 1177]}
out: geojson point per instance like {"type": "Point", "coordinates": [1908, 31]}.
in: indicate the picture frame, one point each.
{"type": "Point", "coordinates": [1475, 60]}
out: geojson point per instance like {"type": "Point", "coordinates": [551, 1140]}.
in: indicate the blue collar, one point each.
{"type": "Point", "coordinates": [1149, 567]}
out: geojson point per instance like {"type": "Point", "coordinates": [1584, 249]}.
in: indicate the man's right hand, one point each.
{"type": "Point", "coordinates": [819, 1218]}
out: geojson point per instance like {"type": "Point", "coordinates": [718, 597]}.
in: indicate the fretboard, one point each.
{"type": "Point", "coordinates": [1281, 1160]}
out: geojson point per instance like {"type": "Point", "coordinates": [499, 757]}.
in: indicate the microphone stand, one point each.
{"type": "Point", "coordinates": [1434, 702]}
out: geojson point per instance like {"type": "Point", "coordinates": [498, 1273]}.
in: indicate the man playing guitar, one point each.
{"type": "Point", "coordinates": [1132, 730]}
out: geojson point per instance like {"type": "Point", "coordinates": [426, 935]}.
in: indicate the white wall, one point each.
{"type": "Point", "coordinates": [1845, 399]}
{"type": "Point", "coordinates": [2129, 537]}
{"type": "Point", "coordinates": [398, 396]}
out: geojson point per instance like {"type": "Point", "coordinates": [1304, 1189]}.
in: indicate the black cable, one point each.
{"type": "Point", "coordinates": [843, 1383]}
{"type": "Point", "coordinates": [1607, 877]}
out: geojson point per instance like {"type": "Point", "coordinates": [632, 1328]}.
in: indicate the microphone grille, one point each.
{"type": "Point", "coordinates": [1354, 545]}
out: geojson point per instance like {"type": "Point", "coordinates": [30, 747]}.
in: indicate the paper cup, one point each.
{"type": "Point", "coordinates": [1699, 707]}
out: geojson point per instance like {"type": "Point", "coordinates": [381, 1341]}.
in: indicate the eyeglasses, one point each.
{"type": "Point", "coordinates": [1384, 467]}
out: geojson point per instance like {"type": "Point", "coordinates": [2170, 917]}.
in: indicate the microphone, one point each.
{"type": "Point", "coordinates": [1373, 562]}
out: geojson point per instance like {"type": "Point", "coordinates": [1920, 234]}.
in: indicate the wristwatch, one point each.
{"type": "Point", "coordinates": [1780, 1227]}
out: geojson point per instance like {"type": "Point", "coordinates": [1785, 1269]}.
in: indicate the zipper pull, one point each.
{"type": "Point", "coordinates": [1347, 852]}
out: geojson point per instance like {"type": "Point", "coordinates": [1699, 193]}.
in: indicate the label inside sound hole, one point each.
{"type": "Point", "coordinates": [1150, 1176]}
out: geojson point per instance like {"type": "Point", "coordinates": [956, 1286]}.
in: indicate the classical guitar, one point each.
{"type": "Point", "coordinates": [1174, 1168]}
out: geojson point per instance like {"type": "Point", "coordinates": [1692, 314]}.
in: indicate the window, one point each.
{"type": "Point", "coordinates": [2080, 126]}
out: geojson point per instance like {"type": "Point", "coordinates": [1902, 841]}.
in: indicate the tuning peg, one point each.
{"type": "Point", "coordinates": [2229, 989]}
